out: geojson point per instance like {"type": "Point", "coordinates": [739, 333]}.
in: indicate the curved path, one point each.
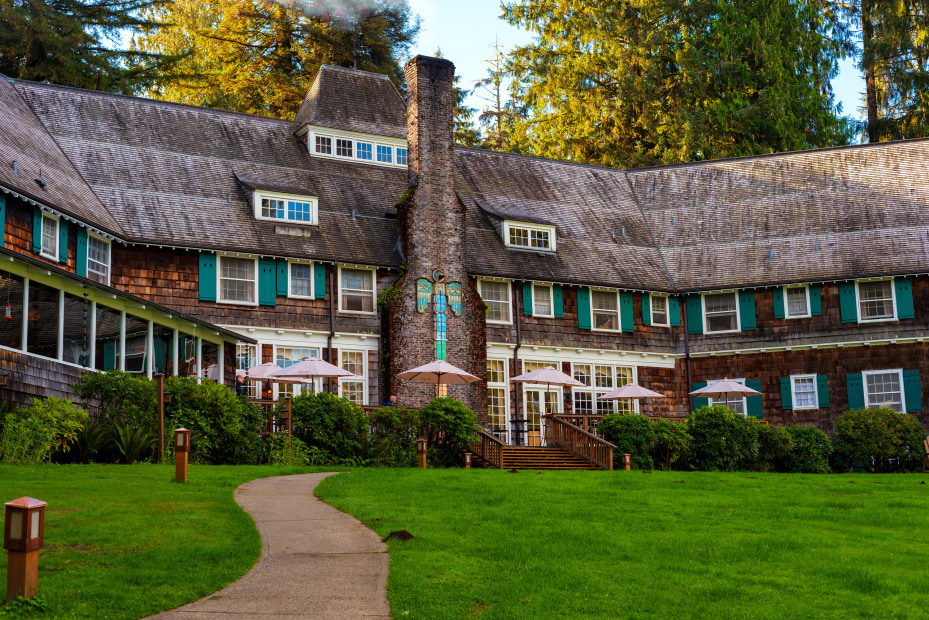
{"type": "Point", "coordinates": [316, 562]}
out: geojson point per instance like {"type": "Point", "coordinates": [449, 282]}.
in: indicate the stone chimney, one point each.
{"type": "Point", "coordinates": [432, 228]}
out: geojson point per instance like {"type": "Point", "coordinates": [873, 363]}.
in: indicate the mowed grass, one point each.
{"type": "Point", "coordinates": [491, 544]}
{"type": "Point", "coordinates": [127, 541]}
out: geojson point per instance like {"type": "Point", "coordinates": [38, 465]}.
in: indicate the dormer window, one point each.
{"type": "Point", "coordinates": [324, 145]}
{"type": "Point", "coordinates": [533, 237]}
{"type": "Point", "coordinates": [347, 145]}
{"type": "Point", "coordinates": [286, 208]}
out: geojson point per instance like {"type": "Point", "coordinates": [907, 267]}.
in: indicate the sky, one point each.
{"type": "Point", "coordinates": [465, 31]}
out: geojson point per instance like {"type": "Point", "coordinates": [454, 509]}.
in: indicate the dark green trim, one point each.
{"type": "Point", "coordinates": [80, 263]}
{"type": "Point", "coordinates": [848, 303]}
{"type": "Point", "coordinates": [816, 300]}
{"type": "Point", "coordinates": [319, 281]}
{"type": "Point", "coordinates": [855, 389]}
{"type": "Point", "coordinates": [904, 298]}
{"type": "Point", "coordinates": [787, 397]}
{"type": "Point", "coordinates": [283, 284]}
{"type": "Point", "coordinates": [267, 282]}
{"type": "Point", "coordinates": [62, 241]}
{"type": "Point", "coordinates": [527, 298]}
{"type": "Point", "coordinates": [822, 390]}
{"type": "Point", "coordinates": [694, 308]}
{"type": "Point", "coordinates": [754, 404]}
{"type": "Point", "coordinates": [778, 295]}
{"type": "Point", "coordinates": [912, 392]}
{"type": "Point", "coordinates": [746, 310]}
{"type": "Point", "coordinates": [699, 402]}
{"type": "Point", "coordinates": [558, 297]}
{"type": "Point", "coordinates": [207, 276]}
{"type": "Point", "coordinates": [646, 309]}
{"type": "Point", "coordinates": [674, 311]}
{"type": "Point", "coordinates": [37, 230]}
{"type": "Point", "coordinates": [583, 307]}
{"type": "Point", "coordinates": [626, 319]}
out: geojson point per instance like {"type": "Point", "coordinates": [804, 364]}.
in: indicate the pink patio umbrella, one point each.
{"type": "Point", "coordinates": [310, 368]}
{"type": "Point", "coordinates": [212, 372]}
{"type": "Point", "coordinates": [725, 389]}
{"type": "Point", "coordinates": [261, 371]}
{"type": "Point", "coordinates": [548, 377]}
{"type": "Point", "coordinates": [630, 391]}
{"type": "Point", "coordinates": [438, 373]}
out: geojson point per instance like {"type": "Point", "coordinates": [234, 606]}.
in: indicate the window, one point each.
{"type": "Point", "coordinates": [804, 392]}
{"type": "Point", "coordinates": [98, 259]}
{"type": "Point", "coordinates": [797, 299]}
{"type": "Point", "coordinates": [401, 156]}
{"type": "Point", "coordinates": [49, 237]}
{"type": "Point", "coordinates": [384, 154]}
{"type": "Point", "coordinates": [535, 237]}
{"type": "Point", "coordinates": [737, 405]}
{"type": "Point", "coordinates": [272, 208]}
{"type": "Point", "coordinates": [659, 304]}
{"type": "Point", "coordinates": [884, 388]}
{"type": "Point", "coordinates": [876, 300]}
{"type": "Point", "coordinates": [301, 280]}
{"type": "Point", "coordinates": [237, 280]}
{"type": "Point", "coordinates": [343, 148]}
{"type": "Point", "coordinates": [353, 388]}
{"type": "Point", "coordinates": [605, 308]}
{"type": "Point", "coordinates": [285, 207]}
{"type": "Point", "coordinates": [497, 398]}
{"type": "Point", "coordinates": [542, 300]}
{"type": "Point", "coordinates": [599, 379]}
{"type": "Point", "coordinates": [300, 212]}
{"type": "Point", "coordinates": [364, 150]}
{"type": "Point", "coordinates": [246, 356]}
{"type": "Point", "coordinates": [496, 296]}
{"type": "Point", "coordinates": [356, 290]}
{"type": "Point", "coordinates": [323, 145]}
{"type": "Point", "coordinates": [286, 357]}
{"type": "Point", "coordinates": [721, 312]}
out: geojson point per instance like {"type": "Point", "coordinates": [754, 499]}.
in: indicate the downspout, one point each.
{"type": "Point", "coordinates": [687, 357]}
{"type": "Point", "coordinates": [517, 311]}
{"type": "Point", "coordinates": [331, 323]}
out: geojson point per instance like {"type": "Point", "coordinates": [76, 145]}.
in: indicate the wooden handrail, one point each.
{"type": "Point", "coordinates": [575, 439]}
{"type": "Point", "coordinates": [489, 449]}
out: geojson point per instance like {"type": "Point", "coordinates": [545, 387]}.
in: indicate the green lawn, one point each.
{"type": "Point", "coordinates": [491, 544]}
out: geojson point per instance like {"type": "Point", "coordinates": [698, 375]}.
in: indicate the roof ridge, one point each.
{"type": "Point", "coordinates": [361, 71]}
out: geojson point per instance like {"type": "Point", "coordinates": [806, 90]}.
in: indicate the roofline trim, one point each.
{"type": "Point", "coordinates": [60, 214]}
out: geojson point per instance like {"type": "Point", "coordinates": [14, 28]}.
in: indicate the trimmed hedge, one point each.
{"type": "Point", "coordinates": [878, 439]}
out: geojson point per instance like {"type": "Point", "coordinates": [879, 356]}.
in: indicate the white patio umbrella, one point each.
{"type": "Point", "coordinates": [438, 373]}
{"type": "Point", "coordinates": [548, 377]}
{"type": "Point", "coordinates": [212, 372]}
{"type": "Point", "coordinates": [631, 391]}
{"type": "Point", "coordinates": [261, 371]}
{"type": "Point", "coordinates": [310, 368]}
{"type": "Point", "coordinates": [725, 389]}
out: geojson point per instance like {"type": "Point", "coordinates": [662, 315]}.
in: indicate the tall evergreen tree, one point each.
{"type": "Point", "coordinates": [465, 133]}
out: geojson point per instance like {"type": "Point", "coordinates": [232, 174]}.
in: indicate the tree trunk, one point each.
{"type": "Point", "coordinates": [867, 62]}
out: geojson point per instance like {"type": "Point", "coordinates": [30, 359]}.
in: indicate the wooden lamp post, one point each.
{"type": "Point", "coordinates": [163, 398]}
{"type": "Point", "coordinates": [181, 448]}
{"type": "Point", "coordinates": [23, 533]}
{"type": "Point", "coordinates": [421, 452]}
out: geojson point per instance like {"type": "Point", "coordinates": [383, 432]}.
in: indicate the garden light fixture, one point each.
{"type": "Point", "coordinates": [181, 448]}
{"type": "Point", "coordinates": [23, 535]}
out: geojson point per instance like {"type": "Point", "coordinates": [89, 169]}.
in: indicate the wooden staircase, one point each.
{"type": "Point", "coordinates": [548, 457]}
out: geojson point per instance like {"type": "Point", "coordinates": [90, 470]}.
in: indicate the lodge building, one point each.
{"type": "Point", "coordinates": [156, 237]}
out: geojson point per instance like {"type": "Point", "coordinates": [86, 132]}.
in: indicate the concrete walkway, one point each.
{"type": "Point", "coordinates": [316, 562]}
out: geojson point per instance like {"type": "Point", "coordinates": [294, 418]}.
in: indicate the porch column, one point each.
{"type": "Point", "coordinates": [150, 350]}
{"type": "Point", "coordinates": [199, 361]}
{"type": "Point", "coordinates": [174, 354]}
{"type": "Point", "coordinates": [61, 325]}
{"type": "Point", "coordinates": [93, 335]}
{"type": "Point", "coordinates": [25, 314]}
{"type": "Point", "coordinates": [122, 340]}
{"type": "Point", "coordinates": [220, 363]}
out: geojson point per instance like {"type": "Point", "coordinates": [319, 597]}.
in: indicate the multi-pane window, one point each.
{"type": "Point", "coordinates": [301, 280]}
{"type": "Point", "coordinates": [876, 300]}
{"type": "Point", "coordinates": [246, 356]}
{"type": "Point", "coordinates": [297, 209]}
{"type": "Point", "coordinates": [98, 259]}
{"type": "Point", "coordinates": [353, 388]}
{"type": "Point", "coordinates": [798, 302]}
{"type": "Point", "coordinates": [737, 405]}
{"type": "Point", "coordinates": [49, 236]}
{"type": "Point", "coordinates": [286, 357]}
{"type": "Point", "coordinates": [530, 238]}
{"type": "Point", "coordinates": [659, 304]}
{"type": "Point", "coordinates": [497, 398]}
{"type": "Point", "coordinates": [237, 282]}
{"type": "Point", "coordinates": [496, 296]}
{"type": "Point", "coordinates": [401, 155]}
{"type": "Point", "coordinates": [300, 211]}
{"type": "Point", "coordinates": [804, 392]}
{"type": "Point", "coordinates": [324, 145]}
{"type": "Point", "coordinates": [343, 148]}
{"type": "Point", "coordinates": [272, 208]}
{"type": "Point", "coordinates": [384, 154]}
{"type": "Point", "coordinates": [542, 300]}
{"type": "Point", "coordinates": [605, 307]}
{"type": "Point", "coordinates": [884, 388]}
{"type": "Point", "coordinates": [721, 311]}
{"type": "Point", "coordinates": [356, 290]}
{"type": "Point", "coordinates": [599, 379]}
{"type": "Point", "coordinates": [364, 150]}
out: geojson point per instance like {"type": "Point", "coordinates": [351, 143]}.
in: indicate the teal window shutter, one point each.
{"type": "Point", "coordinates": [319, 280]}
{"type": "Point", "coordinates": [282, 284]}
{"type": "Point", "coordinates": [787, 397]}
{"type": "Point", "coordinates": [747, 310]}
{"type": "Point", "coordinates": [779, 302]}
{"type": "Point", "coordinates": [625, 312]}
{"type": "Point", "coordinates": [699, 402]}
{"type": "Point", "coordinates": [816, 301]}
{"type": "Point", "coordinates": [855, 391]}
{"type": "Point", "coordinates": [62, 241]}
{"type": "Point", "coordinates": [848, 305]}
{"type": "Point", "coordinates": [527, 298]}
{"type": "Point", "coordinates": [160, 355]}
{"type": "Point", "coordinates": [267, 282]}
{"type": "Point", "coordinates": [109, 355]}
{"type": "Point", "coordinates": [37, 230]}
{"type": "Point", "coordinates": [558, 295]}
{"type": "Point", "coordinates": [2, 220]}
{"type": "Point", "coordinates": [207, 276]}
{"type": "Point", "coordinates": [674, 311]}
{"type": "Point", "coordinates": [754, 404]}
{"type": "Point", "coordinates": [904, 296]}
{"type": "Point", "coordinates": [694, 307]}
{"type": "Point", "coordinates": [81, 256]}
{"type": "Point", "coordinates": [583, 307]}
{"type": "Point", "coordinates": [822, 390]}
{"type": "Point", "coordinates": [646, 309]}
{"type": "Point", "coordinates": [912, 392]}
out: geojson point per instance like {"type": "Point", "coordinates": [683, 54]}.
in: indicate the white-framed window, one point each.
{"type": "Point", "coordinates": [737, 405]}
{"type": "Point", "coordinates": [238, 280]}
{"type": "Point", "coordinates": [401, 155]}
{"type": "Point", "coordinates": [525, 236]}
{"type": "Point", "coordinates": [348, 145]}
{"type": "Point", "coordinates": [543, 303]}
{"type": "Point", "coordinates": [384, 153]}
{"type": "Point", "coordinates": [660, 314]}
{"type": "Point", "coordinates": [876, 300]}
{"type": "Point", "coordinates": [288, 208]}
{"type": "Point", "coordinates": [599, 379]}
{"type": "Point", "coordinates": [98, 259]}
{"type": "Point", "coordinates": [884, 388]}
{"type": "Point", "coordinates": [324, 145]}
{"type": "Point", "coordinates": [604, 306]}
{"type": "Point", "coordinates": [803, 388]}
{"type": "Point", "coordinates": [285, 357]}
{"type": "Point", "coordinates": [343, 147]}
{"type": "Point", "coordinates": [797, 301]}
{"type": "Point", "coordinates": [356, 290]}
{"type": "Point", "coordinates": [364, 150]}
{"type": "Point", "coordinates": [49, 237]}
{"type": "Point", "coordinates": [496, 296]}
{"type": "Point", "coordinates": [354, 388]}
{"type": "Point", "coordinates": [246, 356]}
{"type": "Point", "coordinates": [498, 398]}
{"type": "Point", "coordinates": [721, 312]}
{"type": "Point", "coordinates": [300, 280]}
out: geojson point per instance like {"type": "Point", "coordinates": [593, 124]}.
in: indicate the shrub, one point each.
{"type": "Point", "coordinates": [810, 451]}
{"type": "Point", "coordinates": [30, 435]}
{"type": "Point", "coordinates": [134, 444]}
{"type": "Point", "coordinates": [775, 447]}
{"type": "Point", "coordinates": [91, 440]}
{"type": "Point", "coordinates": [878, 439]}
{"type": "Point", "coordinates": [122, 398]}
{"type": "Point", "coordinates": [631, 434]}
{"type": "Point", "coordinates": [392, 438]}
{"type": "Point", "coordinates": [336, 426]}
{"type": "Point", "coordinates": [672, 442]}
{"type": "Point", "coordinates": [449, 427]}
{"type": "Point", "coordinates": [287, 451]}
{"type": "Point", "coordinates": [722, 440]}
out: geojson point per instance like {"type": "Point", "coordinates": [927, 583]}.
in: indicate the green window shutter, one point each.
{"type": "Point", "coordinates": [754, 404]}
{"type": "Point", "coordinates": [747, 310]}
{"type": "Point", "coordinates": [855, 391]}
{"type": "Point", "coordinates": [816, 301]}
{"type": "Point", "coordinates": [81, 257]}
{"type": "Point", "coordinates": [207, 276]}
{"type": "Point", "coordinates": [699, 402]}
{"type": "Point", "coordinates": [674, 311]}
{"type": "Point", "coordinates": [558, 295]}
{"type": "Point", "coordinates": [787, 398]}
{"type": "Point", "coordinates": [160, 355]}
{"type": "Point", "coordinates": [779, 302]}
{"type": "Point", "coordinates": [912, 393]}
{"type": "Point", "coordinates": [282, 288]}
{"type": "Point", "coordinates": [62, 241]}
{"type": "Point", "coordinates": [904, 296]}
{"type": "Point", "coordinates": [694, 307]}
{"type": "Point", "coordinates": [37, 230]}
{"type": "Point", "coordinates": [2, 220]}
{"type": "Point", "coordinates": [646, 309]}
{"type": "Point", "coordinates": [527, 298]}
{"type": "Point", "coordinates": [109, 355]}
{"type": "Point", "coordinates": [625, 312]}
{"type": "Point", "coordinates": [848, 305]}
{"type": "Point", "coordinates": [267, 282]}
{"type": "Point", "coordinates": [822, 390]}
{"type": "Point", "coordinates": [319, 280]}
{"type": "Point", "coordinates": [583, 307]}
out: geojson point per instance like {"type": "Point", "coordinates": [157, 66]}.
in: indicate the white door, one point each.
{"type": "Point", "coordinates": [540, 401]}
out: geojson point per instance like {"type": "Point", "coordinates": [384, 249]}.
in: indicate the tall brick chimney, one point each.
{"type": "Point", "coordinates": [432, 228]}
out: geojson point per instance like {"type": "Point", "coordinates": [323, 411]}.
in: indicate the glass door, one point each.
{"type": "Point", "coordinates": [539, 402]}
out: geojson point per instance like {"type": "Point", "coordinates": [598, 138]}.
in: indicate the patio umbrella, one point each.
{"type": "Point", "coordinates": [548, 377]}
{"type": "Point", "coordinates": [725, 389]}
{"type": "Point", "coordinates": [310, 368]}
{"type": "Point", "coordinates": [261, 371]}
{"type": "Point", "coordinates": [212, 372]}
{"type": "Point", "coordinates": [438, 373]}
{"type": "Point", "coordinates": [631, 390]}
